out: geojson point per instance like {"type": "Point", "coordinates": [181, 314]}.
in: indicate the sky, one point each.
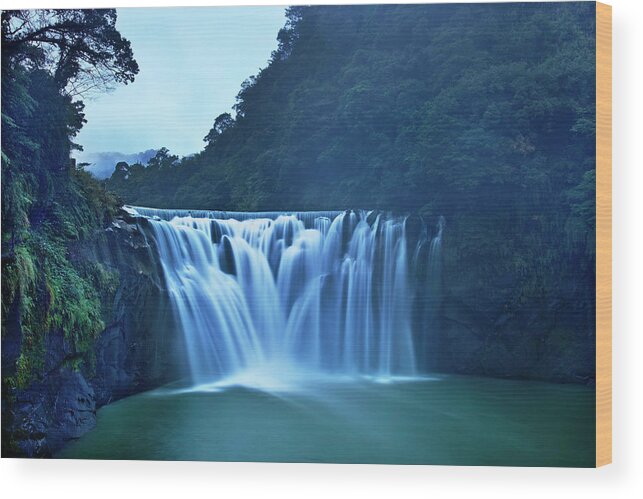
{"type": "Point", "coordinates": [192, 62]}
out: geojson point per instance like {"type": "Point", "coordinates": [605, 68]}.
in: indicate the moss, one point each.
{"type": "Point", "coordinates": [18, 274]}
{"type": "Point", "coordinates": [56, 289]}
{"type": "Point", "coordinates": [52, 214]}
{"type": "Point", "coordinates": [26, 365]}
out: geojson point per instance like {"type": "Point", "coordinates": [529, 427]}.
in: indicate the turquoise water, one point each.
{"type": "Point", "coordinates": [450, 420]}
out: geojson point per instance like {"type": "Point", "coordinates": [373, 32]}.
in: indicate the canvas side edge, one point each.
{"type": "Point", "coordinates": [603, 234]}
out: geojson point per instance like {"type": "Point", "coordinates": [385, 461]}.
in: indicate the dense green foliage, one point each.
{"type": "Point", "coordinates": [81, 49]}
{"type": "Point", "coordinates": [483, 113]}
{"type": "Point", "coordinates": [51, 210]}
{"type": "Point", "coordinates": [400, 107]}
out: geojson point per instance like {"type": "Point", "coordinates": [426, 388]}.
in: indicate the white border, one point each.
{"type": "Point", "coordinates": [109, 479]}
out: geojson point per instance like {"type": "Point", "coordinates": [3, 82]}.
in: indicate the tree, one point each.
{"type": "Point", "coordinates": [162, 160]}
{"type": "Point", "coordinates": [221, 124]}
{"type": "Point", "coordinates": [121, 168]}
{"type": "Point", "coordinates": [80, 48]}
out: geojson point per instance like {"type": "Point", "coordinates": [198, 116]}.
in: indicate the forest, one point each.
{"type": "Point", "coordinates": [411, 109]}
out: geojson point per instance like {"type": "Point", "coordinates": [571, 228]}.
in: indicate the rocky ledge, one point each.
{"type": "Point", "coordinates": [131, 354]}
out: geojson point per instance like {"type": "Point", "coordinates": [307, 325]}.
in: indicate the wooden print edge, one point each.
{"type": "Point", "coordinates": [603, 234]}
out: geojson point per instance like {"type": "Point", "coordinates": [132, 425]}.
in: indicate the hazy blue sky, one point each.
{"type": "Point", "coordinates": [192, 63]}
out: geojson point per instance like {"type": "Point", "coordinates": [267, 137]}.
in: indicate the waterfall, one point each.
{"type": "Point", "coordinates": [273, 292]}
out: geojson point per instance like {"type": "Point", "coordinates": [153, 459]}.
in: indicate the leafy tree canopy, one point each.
{"type": "Point", "coordinates": [81, 48]}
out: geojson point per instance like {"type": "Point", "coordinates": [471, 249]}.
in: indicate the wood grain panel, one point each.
{"type": "Point", "coordinates": [603, 234]}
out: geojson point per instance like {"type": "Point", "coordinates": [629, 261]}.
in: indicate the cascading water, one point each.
{"type": "Point", "coordinates": [275, 294]}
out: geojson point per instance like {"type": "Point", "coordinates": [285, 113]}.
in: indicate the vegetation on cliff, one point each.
{"type": "Point", "coordinates": [51, 208]}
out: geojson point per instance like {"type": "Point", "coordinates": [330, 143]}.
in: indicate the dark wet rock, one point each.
{"type": "Point", "coordinates": [289, 234]}
{"type": "Point", "coordinates": [476, 335]}
{"type": "Point", "coordinates": [215, 232]}
{"type": "Point", "coordinates": [348, 226]}
{"type": "Point", "coordinates": [138, 350]}
{"type": "Point", "coordinates": [128, 216]}
{"type": "Point", "coordinates": [421, 261]}
{"type": "Point", "coordinates": [372, 217]}
{"type": "Point", "coordinates": [73, 408]}
{"type": "Point", "coordinates": [226, 256]}
{"type": "Point", "coordinates": [414, 229]}
{"type": "Point", "coordinates": [11, 340]}
{"type": "Point", "coordinates": [51, 412]}
{"type": "Point", "coordinates": [112, 377]}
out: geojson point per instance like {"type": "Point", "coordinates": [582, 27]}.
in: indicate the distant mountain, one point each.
{"type": "Point", "coordinates": [101, 164]}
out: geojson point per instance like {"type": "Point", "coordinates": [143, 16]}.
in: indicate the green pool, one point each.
{"type": "Point", "coordinates": [451, 420]}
